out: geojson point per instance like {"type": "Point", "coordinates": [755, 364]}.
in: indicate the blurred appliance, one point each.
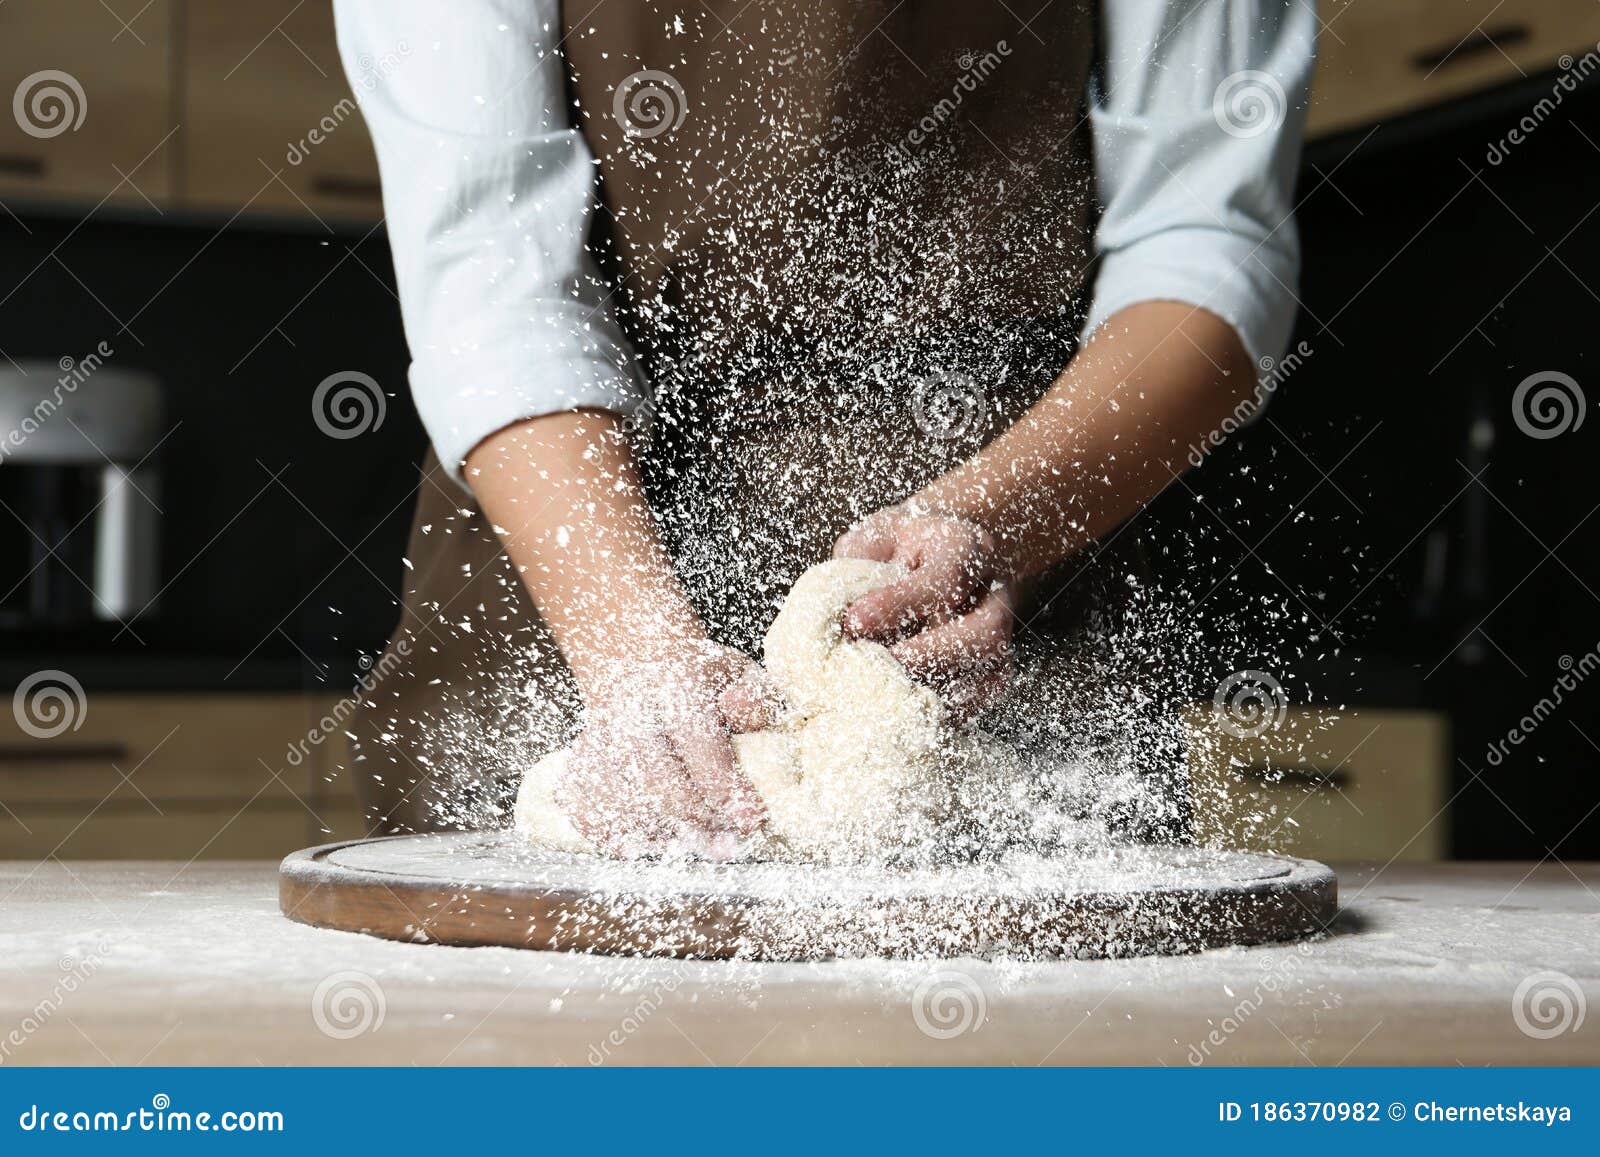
{"type": "Point", "coordinates": [80, 522]}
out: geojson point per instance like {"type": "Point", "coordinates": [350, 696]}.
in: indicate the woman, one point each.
{"type": "Point", "coordinates": [846, 252]}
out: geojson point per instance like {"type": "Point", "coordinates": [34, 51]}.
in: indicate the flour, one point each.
{"type": "Point", "coordinates": [861, 763]}
{"type": "Point", "coordinates": [837, 332]}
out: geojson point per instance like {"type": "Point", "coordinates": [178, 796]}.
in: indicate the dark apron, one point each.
{"type": "Point", "coordinates": [848, 242]}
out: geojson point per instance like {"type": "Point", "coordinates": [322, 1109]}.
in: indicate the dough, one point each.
{"type": "Point", "coordinates": [853, 769]}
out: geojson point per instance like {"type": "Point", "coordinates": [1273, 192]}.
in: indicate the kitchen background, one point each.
{"type": "Point", "coordinates": [213, 221]}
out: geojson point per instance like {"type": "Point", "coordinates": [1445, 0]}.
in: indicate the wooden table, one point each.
{"type": "Point", "coordinates": [154, 963]}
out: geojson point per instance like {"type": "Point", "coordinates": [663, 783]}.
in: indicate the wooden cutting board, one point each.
{"type": "Point", "coordinates": [490, 888]}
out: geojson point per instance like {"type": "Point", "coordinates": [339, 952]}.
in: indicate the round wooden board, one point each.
{"type": "Point", "coordinates": [491, 888]}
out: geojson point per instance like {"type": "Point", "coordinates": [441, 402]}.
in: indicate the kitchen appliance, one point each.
{"type": "Point", "coordinates": [80, 520]}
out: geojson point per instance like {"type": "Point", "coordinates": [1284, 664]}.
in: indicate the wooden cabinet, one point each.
{"type": "Point", "coordinates": [225, 107]}
{"type": "Point", "coordinates": [1381, 58]}
{"type": "Point", "coordinates": [242, 105]}
{"type": "Point", "coordinates": [1362, 785]}
{"type": "Point", "coordinates": [89, 113]}
{"type": "Point", "coordinates": [270, 121]}
{"type": "Point", "coordinates": [175, 777]}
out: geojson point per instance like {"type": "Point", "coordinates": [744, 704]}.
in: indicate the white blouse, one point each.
{"type": "Point", "coordinates": [1196, 107]}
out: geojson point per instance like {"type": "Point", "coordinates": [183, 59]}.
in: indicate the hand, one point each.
{"type": "Point", "coordinates": [949, 620]}
{"type": "Point", "coordinates": [653, 772]}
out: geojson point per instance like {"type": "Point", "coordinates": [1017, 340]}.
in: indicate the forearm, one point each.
{"type": "Point", "coordinates": [1107, 436]}
{"type": "Point", "coordinates": [565, 499]}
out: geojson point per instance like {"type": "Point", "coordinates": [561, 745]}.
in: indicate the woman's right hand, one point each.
{"type": "Point", "coordinates": [653, 772]}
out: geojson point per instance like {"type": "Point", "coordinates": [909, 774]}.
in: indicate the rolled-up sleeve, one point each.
{"type": "Point", "coordinates": [488, 192]}
{"type": "Point", "coordinates": [1198, 111]}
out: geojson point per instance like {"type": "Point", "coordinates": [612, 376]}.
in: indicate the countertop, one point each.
{"type": "Point", "coordinates": [161, 963]}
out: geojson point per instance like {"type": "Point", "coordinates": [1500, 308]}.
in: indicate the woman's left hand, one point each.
{"type": "Point", "coordinates": [949, 620]}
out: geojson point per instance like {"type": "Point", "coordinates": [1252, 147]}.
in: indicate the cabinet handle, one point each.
{"type": "Point", "coordinates": [64, 753]}
{"type": "Point", "coordinates": [19, 165]}
{"type": "Point", "coordinates": [1495, 39]}
{"type": "Point", "coordinates": [1304, 775]}
{"type": "Point", "coordinates": [359, 188]}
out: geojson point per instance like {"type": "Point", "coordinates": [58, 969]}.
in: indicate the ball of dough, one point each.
{"type": "Point", "coordinates": [852, 770]}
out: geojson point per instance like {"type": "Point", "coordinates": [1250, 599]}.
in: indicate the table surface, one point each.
{"type": "Point", "coordinates": [158, 963]}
